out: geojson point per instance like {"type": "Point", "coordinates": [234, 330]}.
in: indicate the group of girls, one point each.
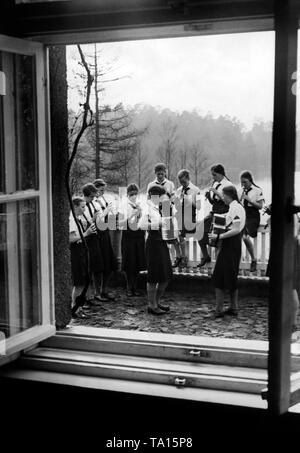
{"type": "Point", "coordinates": [92, 256]}
{"type": "Point", "coordinates": [151, 253]}
{"type": "Point", "coordinates": [241, 209]}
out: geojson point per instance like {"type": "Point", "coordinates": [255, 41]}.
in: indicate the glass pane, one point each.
{"type": "Point", "coordinates": [2, 169]}
{"type": "Point", "coordinates": [19, 147]}
{"type": "Point", "coordinates": [296, 275]}
{"type": "Point", "coordinates": [19, 267]}
{"type": "Point", "coordinates": [221, 114]}
{"type": "Point", "coordinates": [2, 91]}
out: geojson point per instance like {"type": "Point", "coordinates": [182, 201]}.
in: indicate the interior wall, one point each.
{"type": "Point", "coordinates": [60, 204]}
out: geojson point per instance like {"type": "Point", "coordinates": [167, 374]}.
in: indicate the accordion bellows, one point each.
{"type": "Point", "coordinates": [219, 223]}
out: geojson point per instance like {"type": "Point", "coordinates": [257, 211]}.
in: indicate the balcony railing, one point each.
{"type": "Point", "coordinates": [193, 252]}
{"type": "Point", "coordinates": [261, 247]}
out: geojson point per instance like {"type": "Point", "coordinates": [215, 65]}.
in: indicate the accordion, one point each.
{"type": "Point", "coordinates": [169, 229]}
{"type": "Point", "coordinates": [218, 226]}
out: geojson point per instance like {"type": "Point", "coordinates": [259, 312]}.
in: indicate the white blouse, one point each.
{"type": "Point", "coordinates": [219, 186]}
{"type": "Point", "coordinates": [236, 213]}
{"type": "Point", "coordinates": [126, 210]}
{"type": "Point", "coordinates": [254, 193]}
{"type": "Point", "coordinates": [151, 218]}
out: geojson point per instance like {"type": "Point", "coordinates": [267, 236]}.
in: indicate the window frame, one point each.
{"type": "Point", "coordinates": [33, 335]}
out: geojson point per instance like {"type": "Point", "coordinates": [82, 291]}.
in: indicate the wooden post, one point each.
{"type": "Point", "coordinates": [283, 164]}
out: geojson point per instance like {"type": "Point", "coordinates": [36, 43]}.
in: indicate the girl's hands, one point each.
{"type": "Point", "coordinates": [91, 230]}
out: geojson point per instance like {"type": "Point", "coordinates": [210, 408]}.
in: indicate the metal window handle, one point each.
{"type": "Point", "coordinates": [291, 208]}
{"type": "Point", "coordinates": [180, 382]}
{"type": "Point", "coordinates": [195, 353]}
{"type": "Point", "coordinates": [198, 353]}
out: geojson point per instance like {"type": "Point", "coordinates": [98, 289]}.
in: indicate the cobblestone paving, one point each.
{"type": "Point", "coordinates": [191, 314]}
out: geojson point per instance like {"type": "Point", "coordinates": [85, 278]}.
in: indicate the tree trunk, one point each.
{"type": "Point", "coordinates": [97, 147]}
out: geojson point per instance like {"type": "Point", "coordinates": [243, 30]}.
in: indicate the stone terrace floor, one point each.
{"type": "Point", "coordinates": [192, 313]}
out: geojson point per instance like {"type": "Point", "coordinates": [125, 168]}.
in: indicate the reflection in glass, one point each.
{"type": "Point", "coordinates": [18, 124]}
{"type": "Point", "coordinates": [19, 267]}
{"type": "Point", "coordinates": [25, 112]}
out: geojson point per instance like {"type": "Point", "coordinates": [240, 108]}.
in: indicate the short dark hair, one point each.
{"type": "Point", "coordinates": [76, 200]}
{"type": "Point", "coordinates": [132, 188]}
{"type": "Point", "coordinates": [218, 168]}
{"type": "Point", "coordinates": [231, 192]}
{"type": "Point", "coordinates": [99, 182]}
{"type": "Point", "coordinates": [89, 189]}
{"type": "Point", "coordinates": [184, 172]}
{"type": "Point", "coordinates": [160, 167]}
{"type": "Point", "coordinates": [156, 190]}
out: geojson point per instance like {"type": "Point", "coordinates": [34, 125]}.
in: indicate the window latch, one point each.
{"type": "Point", "coordinates": [180, 382]}
{"type": "Point", "coordinates": [264, 394]}
{"type": "Point", "coordinates": [199, 353]}
{"type": "Point", "coordinates": [291, 208]}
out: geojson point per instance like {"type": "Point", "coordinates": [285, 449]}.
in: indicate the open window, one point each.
{"type": "Point", "coordinates": [37, 200]}
{"type": "Point", "coordinates": [26, 304]}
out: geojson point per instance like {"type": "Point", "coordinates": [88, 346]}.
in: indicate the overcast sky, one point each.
{"type": "Point", "coordinates": [222, 74]}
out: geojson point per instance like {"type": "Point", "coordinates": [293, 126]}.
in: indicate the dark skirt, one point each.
{"type": "Point", "coordinates": [79, 266]}
{"type": "Point", "coordinates": [226, 270]}
{"type": "Point", "coordinates": [159, 267]}
{"type": "Point", "coordinates": [133, 251]}
{"type": "Point", "coordinates": [95, 254]}
{"type": "Point", "coordinates": [252, 222]}
{"type": "Point", "coordinates": [109, 259]}
{"type": "Point", "coordinates": [207, 227]}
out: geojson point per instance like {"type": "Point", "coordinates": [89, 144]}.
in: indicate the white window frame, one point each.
{"type": "Point", "coordinates": [31, 336]}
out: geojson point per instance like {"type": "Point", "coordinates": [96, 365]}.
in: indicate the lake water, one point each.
{"type": "Point", "coordinates": [265, 184]}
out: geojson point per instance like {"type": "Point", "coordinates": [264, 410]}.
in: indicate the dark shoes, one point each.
{"type": "Point", "coordinates": [99, 299]}
{"type": "Point", "coordinates": [253, 266]}
{"type": "Point", "coordinates": [180, 261]}
{"type": "Point", "coordinates": [133, 293]}
{"type": "Point", "coordinates": [204, 261]}
{"type": "Point", "coordinates": [107, 296]}
{"type": "Point", "coordinates": [78, 314]}
{"type": "Point", "coordinates": [231, 312]}
{"type": "Point", "coordinates": [164, 307]}
{"type": "Point", "coordinates": [156, 311]}
{"type": "Point", "coordinates": [219, 314]}
{"type": "Point", "coordinates": [228, 312]}
{"type": "Point", "coordinates": [177, 261]}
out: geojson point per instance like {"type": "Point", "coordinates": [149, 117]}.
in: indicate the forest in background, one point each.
{"type": "Point", "coordinates": [131, 141]}
{"type": "Point", "coordinates": [125, 142]}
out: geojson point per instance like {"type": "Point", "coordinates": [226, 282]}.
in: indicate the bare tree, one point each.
{"type": "Point", "coordinates": [199, 164]}
{"type": "Point", "coordinates": [168, 149]}
{"type": "Point", "coordinates": [142, 164]}
{"type": "Point", "coordinates": [86, 121]}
